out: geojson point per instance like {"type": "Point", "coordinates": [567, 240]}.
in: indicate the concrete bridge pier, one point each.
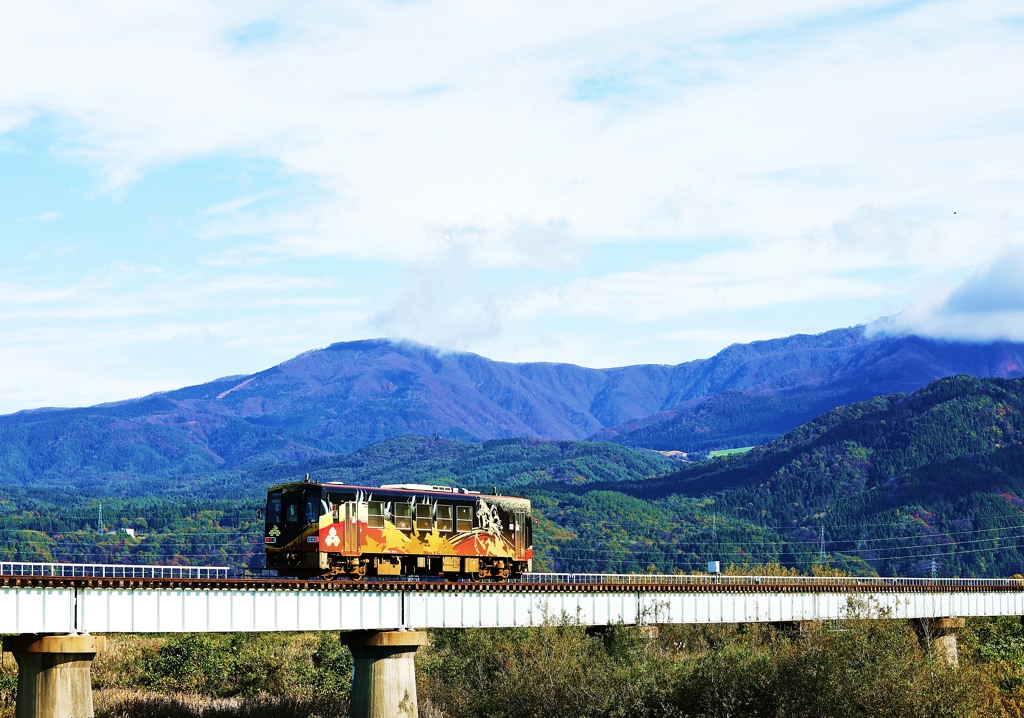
{"type": "Point", "coordinates": [384, 673]}
{"type": "Point", "coordinates": [54, 674]}
{"type": "Point", "coordinates": [941, 633]}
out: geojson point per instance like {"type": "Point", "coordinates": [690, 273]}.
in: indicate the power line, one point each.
{"type": "Point", "coordinates": [639, 556]}
{"type": "Point", "coordinates": [938, 541]}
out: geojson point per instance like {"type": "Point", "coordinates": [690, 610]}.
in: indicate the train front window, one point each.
{"type": "Point", "coordinates": [424, 520]}
{"type": "Point", "coordinates": [273, 508]}
{"type": "Point", "coordinates": [291, 513]}
{"type": "Point", "coordinates": [464, 518]}
{"type": "Point", "coordinates": [403, 516]}
{"type": "Point", "coordinates": [315, 505]}
{"type": "Point", "coordinates": [375, 515]}
{"type": "Point", "coordinates": [444, 518]}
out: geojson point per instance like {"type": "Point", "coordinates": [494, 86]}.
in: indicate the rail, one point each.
{"type": "Point", "coordinates": [723, 580]}
{"type": "Point", "coordinates": [97, 570]}
{"type": "Point", "coordinates": [100, 570]}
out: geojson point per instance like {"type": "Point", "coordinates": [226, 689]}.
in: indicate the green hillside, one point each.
{"type": "Point", "coordinates": [504, 462]}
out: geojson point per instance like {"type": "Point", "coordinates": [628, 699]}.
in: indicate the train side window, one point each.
{"type": "Point", "coordinates": [403, 516]}
{"type": "Point", "coordinates": [444, 518]}
{"type": "Point", "coordinates": [274, 507]}
{"type": "Point", "coordinates": [375, 515]}
{"type": "Point", "coordinates": [464, 518]}
{"type": "Point", "coordinates": [424, 521]}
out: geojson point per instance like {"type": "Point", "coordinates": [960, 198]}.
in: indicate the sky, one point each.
{"type": "Point", "coordinates": [191, 190]}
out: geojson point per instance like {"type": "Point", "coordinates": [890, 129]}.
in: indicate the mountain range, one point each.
{"type": "Point", "coordinates": [902, 484]}
{"type": "Point", "coordinates": [335, 400]}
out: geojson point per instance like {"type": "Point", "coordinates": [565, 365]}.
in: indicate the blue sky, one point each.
{"type": "Point", "coordinates": [192, 190]}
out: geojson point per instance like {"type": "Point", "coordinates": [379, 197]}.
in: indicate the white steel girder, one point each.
{"type": "Point", "coordinates": [108, 610]}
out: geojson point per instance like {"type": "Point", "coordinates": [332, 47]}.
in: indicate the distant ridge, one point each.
{"type": "Point", "coordinates": [774, 386]}
{"type": "Point", "coordinates": [348, 395]}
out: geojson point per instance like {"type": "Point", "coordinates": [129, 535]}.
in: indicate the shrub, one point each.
{"type": "Point", "coordinates": [857, 667]}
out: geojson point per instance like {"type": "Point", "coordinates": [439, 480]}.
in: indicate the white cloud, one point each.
{"type": "Point", "coordinates": [816, 150]}
{"type": "Point", "coordinates": [720, 282]}
{"type": "Point", "coordinates": [236, 204]}
{"type": "Point", "coordinates": [987, 306]}
{"type": "Point", "coordinates": [722, 118]}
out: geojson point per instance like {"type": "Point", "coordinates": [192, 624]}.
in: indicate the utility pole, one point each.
{"type": "Point", "coordinates": [821, 558]}
{"type": "Point", "coordinates": [714, 536]}
{"type": "Point", "coordinates": [714, 565]}
{"type": "Point", "coordinates": [934, 568]}
{"type": "Point", "coordinates": [99, 522]}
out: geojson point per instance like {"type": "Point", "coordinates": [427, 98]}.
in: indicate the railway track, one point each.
{"type": "Point", "coordinates": [621, 584]}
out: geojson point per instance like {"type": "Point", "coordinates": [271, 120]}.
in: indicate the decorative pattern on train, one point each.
{"type": "Point", "coordinates": [333, 530]}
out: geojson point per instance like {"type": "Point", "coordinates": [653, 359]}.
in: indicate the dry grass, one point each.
{"type": "Point", "coordinates": [122, 703]}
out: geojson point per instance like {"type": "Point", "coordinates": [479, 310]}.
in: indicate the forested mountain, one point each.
{"type": "Point", "coordinates": [896, 481]}
{"type": "Point", "coordinates": [335, 400]}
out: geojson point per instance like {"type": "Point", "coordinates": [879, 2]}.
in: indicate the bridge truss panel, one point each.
{"type": "Point", "coordinates": [37, 610]}
{"type": "Point", "coordinates": [215, 609]}
{"type": "Point", "coordinates": [500, 609]}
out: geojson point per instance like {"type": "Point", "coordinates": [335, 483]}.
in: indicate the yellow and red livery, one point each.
{"type": "Point", "coordinates": [334, 530]}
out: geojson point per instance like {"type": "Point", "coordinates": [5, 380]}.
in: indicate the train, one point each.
{"type": "Point", "coordinates": [398, 530]}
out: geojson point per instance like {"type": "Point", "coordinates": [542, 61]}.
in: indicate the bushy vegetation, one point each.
{"type": "Point", "coordinates": [860, 667]}
{"type": "Point", "coordinates": [213, 675]}
{"type": "Point", "coordinates": [856, 667]}
{"type": "Point", "coordinates": [227, 665]}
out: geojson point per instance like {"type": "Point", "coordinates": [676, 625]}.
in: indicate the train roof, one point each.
{"type": "Point", "coordinates": [409, 488]}
{"type": "Point", "coordinates": [399, 488]}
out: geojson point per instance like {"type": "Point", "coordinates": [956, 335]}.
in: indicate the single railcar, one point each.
{"type": "Point", "coordinates": [333, 530]}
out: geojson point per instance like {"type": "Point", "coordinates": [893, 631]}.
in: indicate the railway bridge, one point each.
{"type": "Point", "coordinates": [59, 614]}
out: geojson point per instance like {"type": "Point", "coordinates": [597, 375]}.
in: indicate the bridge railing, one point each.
{"type": "Point", "coordinates": [101, 570]}
{"type": "Point", "coordinates": [723, 580]}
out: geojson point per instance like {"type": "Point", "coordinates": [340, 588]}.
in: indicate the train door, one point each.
{"type": "Point", "coordinates": [291, 515]}
{"type": "Point", "coordinates": [520, 534]}
{"type": "Point", "coordinates": [312, 508]}
{"type": "Point", "coordinates": [350, 530]}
